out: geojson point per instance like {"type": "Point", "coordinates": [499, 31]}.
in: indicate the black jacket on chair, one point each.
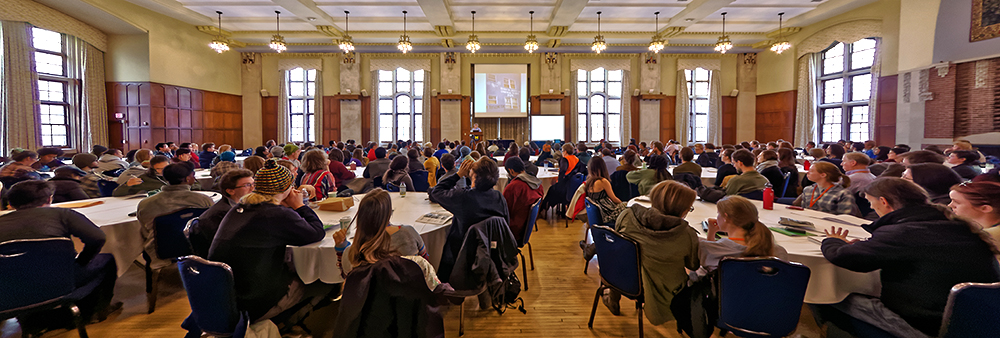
{"type": "Point", "coordinates": [469, 206]}
{"type": "Point", "coordinates": [388, 299]}
{"type": "Point", "coordinates": [488, 255]}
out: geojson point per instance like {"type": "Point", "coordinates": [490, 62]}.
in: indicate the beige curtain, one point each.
{"type": "Point", "coordinates": [682, 109]}
{"type": "Point", "coordinates": [574, 109]}
{"type": "Point", "coordinates": [92, 123]}
{"type": "Point", "coordinates": [714, 108]}
{"type": "Point", "coordinates": [284, 131]}
{"type": "Point", "coordinates": [19, 116]}
{"type": "Point", "coordinates": [318, 113]}
{"type": "Point", "coordinates": [374, 106]}
{"type": "Point", "coordinates": [626, 127]}
{"type": "Point", "coordinates": [425, 110]}
{"type": "Point", "coordinates": [873, 104]}
{"type": "Point", "coordinates": [805, 107]}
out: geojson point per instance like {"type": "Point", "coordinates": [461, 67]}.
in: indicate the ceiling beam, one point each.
{"type": "Point", "coordinates": [696, 11]}
{"type": "Point", "coordinates": [171, 8]}
{"type": "Point", "coordinates": [565, 12]}
{"type": "Point", "coordinates": [439, 15]}
{"type": "Point", "coordinates": [304, 9]}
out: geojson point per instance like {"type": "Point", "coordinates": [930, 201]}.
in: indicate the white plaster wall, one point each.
{"type": "Point", "coordinates": [350, 120]}
{"type": "Point", "coordinates": [451, 122]}
{"type": "Point", "coordinates": [649, 120]}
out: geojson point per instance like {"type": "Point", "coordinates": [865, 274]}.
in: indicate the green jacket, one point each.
{"type": "Point", "coordinates": [749, 181]}
{"type": "Point", "coordinates": [644, 178]}
{"type": "Point", "coordinates": [667, 245]}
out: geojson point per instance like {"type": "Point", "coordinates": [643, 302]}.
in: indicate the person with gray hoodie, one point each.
{"type": "Point", "coordinates": [111, 160]}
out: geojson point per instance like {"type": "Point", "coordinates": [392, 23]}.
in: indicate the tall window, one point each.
{"type": "Point", "coordinates": [301, 103]}
{"type": "Point", "coordinates": [599, 103]}
{"type": "Point", "coordinates": [845, 85]}
{"type": "Point", "coordinates": [54, 87]}
{"type": "Point", "coordinates": [400, 105]}
{"type": "Point", "coordinates": [698, 88]}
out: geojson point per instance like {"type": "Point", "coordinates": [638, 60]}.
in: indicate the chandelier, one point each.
{"type": "Point", "coordinates": [782, 45]}
{"type": "Point", "coordinates": [404, 40]}
{"type": "Point", "coordinates": [473, 44]}
{"type": "Point", "coordinates": [599, 45]}
{"type": "Point", "coordinates": [347, 44]}
{"type": "Point", "coordinates": [219, 43]}
{"type": "Point", "coordinates": [723, 45]}
{"type": "Point", "coordinates": [531, 45]}
{"type": "Point", "coordinates": [656, 45]}
{"type": "Point", "coordinates": [278, 41]}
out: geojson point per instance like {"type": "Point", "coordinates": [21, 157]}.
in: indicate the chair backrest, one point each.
{"type": "Point", "coordinates": [211, 294]}
{"type": "Point", "coordinates": [689, 179]}
{"type": "Point", "coordinates": [532, 218]}
{"type": "Point", "coordinates": [34, 271]}
{"type": "Point", "coordinates": [754, 195]}
{"type": "Point", "coordinates": [391, 187]}
{"type": "Point", "coordinates": [621, 187]}
{"type": "Point", "coordinates": [594, 216]}
{"type": "Point", "coordinates": [574, 183]}
{"type": "Point", "coordinates": [971, 311]}
{"type": "Point", "coordinates": [762, 295]}
{"type": "Point", "coordinates": [106, 187]}
{"type": "Point", "coordinates": [619, 259]}
{"type": "Point", "coordinates": [170, 239]}
{"type": "Point", "coordinates": [419, 179]}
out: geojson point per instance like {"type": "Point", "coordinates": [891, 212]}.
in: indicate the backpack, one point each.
{"type": "Point", "coordinates": [505, 294]}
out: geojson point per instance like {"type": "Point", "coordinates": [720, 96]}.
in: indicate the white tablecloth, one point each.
{"type": "Point", "coordinates": [828, 284]}
{"type": "Point", "coordinates": [124, 234]}
{"type": "Point", "coordinates": [204, 178]}
{"type": "Point", "coordinates": [318, 261]}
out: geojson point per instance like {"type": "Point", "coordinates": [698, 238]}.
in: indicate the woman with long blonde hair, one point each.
{"type": "Point", "coordinates": [746, 235]}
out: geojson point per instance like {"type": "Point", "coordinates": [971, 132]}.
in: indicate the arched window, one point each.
{"type": "Point", "coordinates": [844, 87]}
{"type": "Point", "coordinates": [301, 104]}
{"type": "Point", "coordinates": [400, 105]}
{"type": "Point", "coordinates": [599, 104]}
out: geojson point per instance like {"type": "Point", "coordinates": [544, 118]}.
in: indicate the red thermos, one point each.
{"type": "Point", "coordinates": [805, 164]}
{"type": "Point", "coordinates": [768, 197]}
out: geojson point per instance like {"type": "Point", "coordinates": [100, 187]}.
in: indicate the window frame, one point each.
{"type": "Point", "coordinates": [587, 116]}
{"type": "Point", "coordinates": [416, 99]}
{"type": "Point", "coordinates": [693, 98]}
{"type": "Point", "coordinates": [70, 101]}
{"type": "Point", "coordinates": [847, 104]}
{"type": "Point", "coordinates": [308, 104]}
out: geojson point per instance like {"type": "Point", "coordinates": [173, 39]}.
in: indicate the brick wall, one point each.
{"type": "Point", "coordinates": [965, 102]}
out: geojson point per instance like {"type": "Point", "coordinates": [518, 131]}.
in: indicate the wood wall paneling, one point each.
{"type": "Point", "coordinates": [728, 120]}
{"type": "Point", "coordinates": [466, 117]}
{"type": "Point", "coordinates": [331, 119]}
{"type": "Point", "coordinates": [157, 113]}
{"type": "Point", "coordinates": [435, 116]}
{"type": "Point", "coordinates": [634, 107]}
{"type": "Point", "coordinates": [366, 119]}
{"type": "Point", "coordinates": [885, 115]}
{"type": "Point", "coordinates": [567, 110]}
{"type": "Point", "coordinates": [776, 116]}
{"type": "Point", "coordinates": [269, 116]}
{"type": "Point", "coordinates": [668, 118]}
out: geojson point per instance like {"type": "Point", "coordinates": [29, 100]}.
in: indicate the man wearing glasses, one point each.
{"type": "Point", "coordinates": [234, 185]}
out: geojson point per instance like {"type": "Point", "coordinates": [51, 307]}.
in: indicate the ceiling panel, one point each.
{"type": "Point", "coordinates": [506, 13]}
{"type": "Point", "coordinates": [413, 11]}
{"type": "Point", "coordinates": [756, 13]}
{"type": "Point", "coordinates": [242, 11]}
{"type": "Point", "coordinates": [629, 13]}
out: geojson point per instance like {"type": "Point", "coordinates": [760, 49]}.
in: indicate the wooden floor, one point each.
{"type": "Point", "coordinates": [558, 303]}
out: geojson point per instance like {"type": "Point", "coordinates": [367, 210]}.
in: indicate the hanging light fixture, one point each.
{"type": "Point", "coordinates": [346, 43]}
{"type": "Point", "coordinates": [404, 40]}
{"type": "Point", "coordinates": [219, 43]}
{"type": "Point", "coordinates": [473, 44]}
{"type": "Point", "coordinates": [278, 41]}
{"type": "Point", "coordinates": [657, 44]}
{"type": "Point", "coordinates": [599, 45]}
{"type": "Point", "coordinates": [723, 45]}
{"type": "Point", "coordinates": [531, 45]}
{"type": "Point", "coordinates": [782, 44]}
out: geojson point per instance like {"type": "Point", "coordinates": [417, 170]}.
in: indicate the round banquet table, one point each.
{"type": "Point", "coordinates": [204, 178]}
{"type": "Point", "coordinates": [828, 284]}
{"type": "Point", "coordinates": [123, 232]}
{"type": "Point", "coordinates": [318, 261]}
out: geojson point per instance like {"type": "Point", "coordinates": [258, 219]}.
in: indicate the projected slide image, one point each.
{"type": "Point", "coordinates": [503, 93]}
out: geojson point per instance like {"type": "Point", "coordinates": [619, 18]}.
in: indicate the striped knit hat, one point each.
{"type": "Point", "coordinates": [272, 179]}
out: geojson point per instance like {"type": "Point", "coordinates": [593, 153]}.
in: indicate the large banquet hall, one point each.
{"type": "Point", "coordinates": [335, 168]}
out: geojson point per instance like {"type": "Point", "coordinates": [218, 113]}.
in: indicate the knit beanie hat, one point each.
{"type": "Point", "coordinates": [290, 148]}
{"type": "Point", "coordinates": [277, 152]}
{"type": "Point", "coordinates": [84, 160]}
{"type": "Point", "coordinates": [227, 156]}
{"type": "Point", "coordinates": [50, 151]}
{"type": "Point", "coordinates": [272, 179]}
{"type": "Point", "coordinates": [465, 151]}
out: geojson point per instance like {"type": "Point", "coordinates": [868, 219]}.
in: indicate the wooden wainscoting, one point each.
{"type": "Point", "coordinates": [885, 116]}
{"type": "Point", "coordinates": [728, 120]}
{"type": "Point", "coordinates": [776, 116]}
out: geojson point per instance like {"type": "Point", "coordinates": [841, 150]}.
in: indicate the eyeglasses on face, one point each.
{"type": "Point", "coordinates": [248, 185]}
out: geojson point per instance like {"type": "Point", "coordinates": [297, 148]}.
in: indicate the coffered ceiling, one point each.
{"type": "Point", "coordinates": [690, 26]}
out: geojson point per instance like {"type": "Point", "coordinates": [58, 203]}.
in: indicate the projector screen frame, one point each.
{"type": "Point", "coordinates": [527, 90]}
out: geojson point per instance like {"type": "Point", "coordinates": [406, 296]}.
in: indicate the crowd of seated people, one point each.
{"type": "Point", "coordinates": [948, 193]}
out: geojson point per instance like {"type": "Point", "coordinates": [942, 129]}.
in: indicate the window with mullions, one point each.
{"type": "Point", "coordinates": [599, 104]}
{"type": "Point", "coordinates": [845, 87]}
{"type": "Point", "coordinates": [400, 105]}
{"type": "Point", "coordinates": [698, 88]}
{"type": "Point", "coordinates": [54, 84]}
{"type": "Point", "coordinates": [301, 104]}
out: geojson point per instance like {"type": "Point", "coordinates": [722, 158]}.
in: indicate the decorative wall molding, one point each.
{"type": "Point", "coordinates": [906, 86]}
{"type": "Point", "coordinates": [709, 64]}
{"type": "Point", "coordinates": [591, 64]}
{"type": "Point", "coordinates": [844, 32]}
{"type": "Point", "coordinates": [286, 64]}
{"type": "Point", "coordinates": [42, 16]}
{"type": "Point", "coordinates": [408, 64]}
{"type": "Point", "coordinates": [982, 73]}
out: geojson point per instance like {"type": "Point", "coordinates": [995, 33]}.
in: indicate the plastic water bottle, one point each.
{"type": "Point", "coordinates": [768, 197]}
{"type": "Point", "coordinates": [805, 164]}
{"type": "Point", "coordinates": [402, 190]}
{"type": "Point", "coordinates": [305, 196]}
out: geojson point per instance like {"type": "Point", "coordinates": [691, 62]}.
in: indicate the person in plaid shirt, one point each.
{"type": "Point", "coordinates": [88, 163]}
{"type": "Point", "coordinates": [830, 193]}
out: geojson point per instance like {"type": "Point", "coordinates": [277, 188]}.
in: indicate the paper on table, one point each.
{"type": "Point", "coordinates": [80, 204]}
{"type": "Point", "coordinates": [440, 217]}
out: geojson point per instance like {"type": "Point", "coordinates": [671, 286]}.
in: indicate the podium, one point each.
{"type": "Point", "coordinates": [474, 138]}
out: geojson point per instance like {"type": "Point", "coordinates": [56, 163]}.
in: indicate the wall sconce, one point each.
{"type": "Point", "coordinates": [551, 59]}
{"type": "Point", "coordinates": [449, 60]}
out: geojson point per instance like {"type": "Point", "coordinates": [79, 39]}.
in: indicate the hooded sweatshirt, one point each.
{"type": "Point", "coordinates": [520, 193]}
{"type": "Point", "coordinates": [110, 162]}
{"type": "Point", "coordinates": [668, 245]}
